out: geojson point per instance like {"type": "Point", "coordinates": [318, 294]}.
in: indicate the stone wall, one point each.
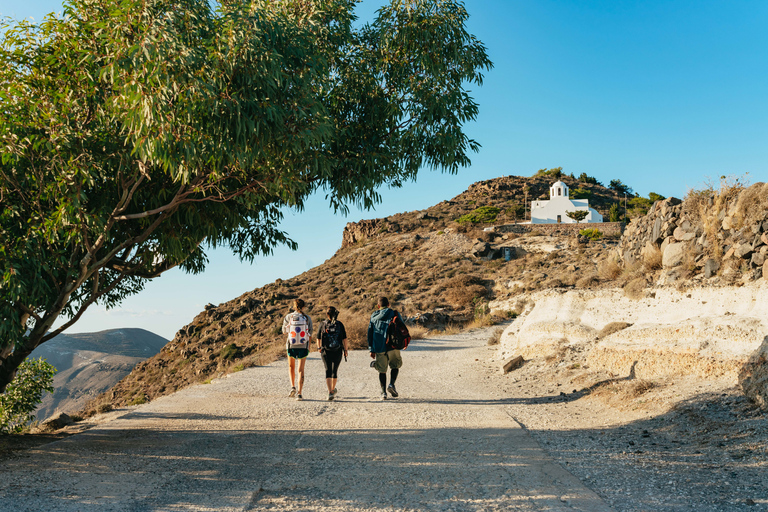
{"type": "Point", "coordinates": [607, 228]}
{"type": "Point", "coordinates": [728, 239]}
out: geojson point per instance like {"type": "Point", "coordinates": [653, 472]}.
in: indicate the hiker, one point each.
{"type": "Point", "coordinates": [332, 344]}
{"type": "Point", "coordinates": [298, 326]}
{"type": "Point", "coordinates": [384, 356]}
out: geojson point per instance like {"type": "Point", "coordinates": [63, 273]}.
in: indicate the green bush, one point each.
{"type": "Point", "coordinates": [555, 172]}
{"type": "Point", "coordinates": [591, 233]}
{"type": "Point", "coordinates": [585, 178]}
{"type": "Point", "coordinates": [614, 214]}
{"type": "Point", "coordinates": [581, 193]}
{"type": "Point", "coordinates": [22, 396]}
{"type": "Point", "coordinates": [230, 352]}
{"type": "Point", "coordinates": [484, 214]}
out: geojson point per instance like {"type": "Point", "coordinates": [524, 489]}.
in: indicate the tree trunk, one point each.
{"type": "Point", "coordinates": [10, 363]}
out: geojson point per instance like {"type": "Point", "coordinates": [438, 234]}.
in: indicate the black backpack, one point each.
{"type": "Point", "coordinates": [398, 336]}
{"type": "Point", "coordinates": [332, 336]}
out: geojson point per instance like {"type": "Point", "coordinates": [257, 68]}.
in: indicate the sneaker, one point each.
{"type": "Point", "coordinates": [335, 392]}
{"type": "Point", "coordinates": [292, 393]}
{"type": "Point", "coordinates": [392, 390]}
{"type": "Point", "coordinates": [330, 396]}
{"type": "Point", "coordinates": [299, 397]}
{"type": "Point", "coordinates": [383, 394]}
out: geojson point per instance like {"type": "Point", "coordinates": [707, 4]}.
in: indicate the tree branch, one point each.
{"type": "Point", "coordinates": [83, 308]}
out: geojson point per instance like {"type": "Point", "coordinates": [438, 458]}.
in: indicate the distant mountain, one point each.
{"type": "Point", "coordinates": [90, 363]}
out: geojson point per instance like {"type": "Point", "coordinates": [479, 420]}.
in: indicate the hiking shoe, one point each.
{"type": "Point", "coordinates": [330, 396]}
{"type": "Point", "coordinates": [392, 390]}
{"type": "Point", "coordinates": [335, 392]}
{"type": "Point", "coordinates": [292, 393]}
{"type": "Point", "coordinates": [299, 397]}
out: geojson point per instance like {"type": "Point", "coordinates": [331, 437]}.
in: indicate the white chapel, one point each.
{"type": "Point", "coordinates": [553, 211]}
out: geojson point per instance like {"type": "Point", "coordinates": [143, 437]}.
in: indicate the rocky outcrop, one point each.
{"type": "Point", "coordinates": [703, 237]}
{"type": "Point", "coordinates": [712, 332]}
{"type": "Point", "coordinates": [753, 377]}
{"type": "Point", "coordinates": [355, 232]}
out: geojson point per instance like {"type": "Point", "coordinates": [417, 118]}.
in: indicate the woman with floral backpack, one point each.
{"type": "Point", "coordinates": [298, 327]}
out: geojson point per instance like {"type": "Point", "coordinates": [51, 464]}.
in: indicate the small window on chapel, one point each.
{"type": "Point", "coordinates": [559, 192]}
{"type": "Point", "coordinates": [559, 219]}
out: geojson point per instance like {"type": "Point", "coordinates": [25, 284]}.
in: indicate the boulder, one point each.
{"type": "Point", "coordinates": [656, 234]}
{"type": "Point", "coordinates": [682, 235]}
{"type": "Point", "coordinates": [513, 364]}
{"type": "Point", "coordinates": [743, 251]}
{"type": "Point", "coordinates": [673, 255]}
{"type": "Point", "coordinates": [711, 266]}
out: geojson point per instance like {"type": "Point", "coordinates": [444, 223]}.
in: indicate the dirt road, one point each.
{"type": "Point", "coordinates": [448, 443]}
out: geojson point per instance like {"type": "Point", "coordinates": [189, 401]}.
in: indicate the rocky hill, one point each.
{"type": "Point", "coordinates": [90, 363]}
{"type": "Point", "coordinates": [438, 272]}
{"type": "Point", "coordinates": [443, 273]}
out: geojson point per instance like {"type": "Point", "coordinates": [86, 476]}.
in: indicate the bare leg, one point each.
{"type": "Point", "coordinates": [330, 384]}
{"type": "Point", "coordinates": [292, 371]}
{"type": "Point", "coordinates": [333, 385]}
{"type": "Point", "coordinates": [301, 375]}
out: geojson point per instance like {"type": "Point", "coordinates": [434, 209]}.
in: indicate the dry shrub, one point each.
{"type": "Point", "coordinates": [624, 390]}
{"type": "Point", "coordinates": [611, 328]}
{"type": "Point", "coordinates": [704, 206]}
{"type": "Point", "coordinates": [635, 289]}
{"type": "Point", "coordinates": [451, 329]}
{"type": "Point", "coordinates": [588, 281]}
{"type": "Point", "coordinates": [652, 258]}
{"type": "Point", "coordinates": [466, 295]}
{"type": "Point", "coordinates": [464, 280]}
{"type": "Point", "coordinates": [462, 290]}
{"type": "Point", "coordinates": [495, 337]}
{"type": "Point", "coordinates": [418, 332]}
{"type": "Point", "coordinates": [639, 387]}
{"type": "Point", "coordinates": [609, 270]}
{"type": "Point", "coordinates": [630, 272]}
{"type": "Point", "coordinates": [752, 204]}
{"type": "Point", "coordinates": [554, 282]}
{"type": "Point", "coordinates": [356, 326]}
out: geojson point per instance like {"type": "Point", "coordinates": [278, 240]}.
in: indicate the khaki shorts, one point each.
{"type": "Point", "coordinates": [390, 358]}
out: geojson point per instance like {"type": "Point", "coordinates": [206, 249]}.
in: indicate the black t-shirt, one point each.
{"type": "Point", "coordinates": [325, 338]}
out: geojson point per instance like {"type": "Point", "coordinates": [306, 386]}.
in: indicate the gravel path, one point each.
{"type": "Point", "coordinates": [449, 443]}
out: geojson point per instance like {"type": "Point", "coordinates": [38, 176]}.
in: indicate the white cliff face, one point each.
{"type": "Point", "coordinates": [708, 331]}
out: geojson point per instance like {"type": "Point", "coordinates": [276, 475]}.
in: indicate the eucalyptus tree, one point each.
{"type": "Point", "coordinates": [136, 134]}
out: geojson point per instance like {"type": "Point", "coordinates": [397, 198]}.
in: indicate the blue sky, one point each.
{"type": "Point", "coordinates": [662, 95]}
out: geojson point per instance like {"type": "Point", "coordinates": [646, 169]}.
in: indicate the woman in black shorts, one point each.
{"type": "Point", "coordinates": [298, 326]}
{"type": "Point", "coordinates": [332, 343]}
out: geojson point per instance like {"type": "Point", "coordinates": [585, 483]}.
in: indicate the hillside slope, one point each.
{"type": "Point", "coordinates": [440, 273]}
{"type": "Point", "coordinates": [436, 271]}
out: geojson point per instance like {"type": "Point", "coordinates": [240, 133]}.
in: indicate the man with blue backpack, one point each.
{"type": "Point", "coordinates": [298, 327]}
{"type": "Point", "coordinates": [387, 335]}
